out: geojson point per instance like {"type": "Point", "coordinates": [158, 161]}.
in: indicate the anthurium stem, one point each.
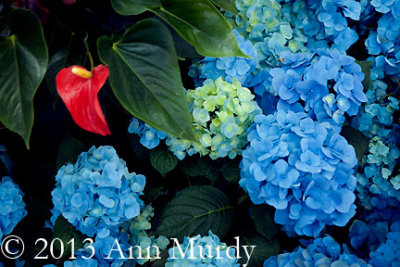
{"type": "Point", "coordinates": [91, 61]}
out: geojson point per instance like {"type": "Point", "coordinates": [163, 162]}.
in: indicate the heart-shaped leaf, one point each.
{"type": "Point", "coordinates": [163, 161]}
{"type": "Point", "coordinates": [79, 88]}
{"type": "Point", "coordinates": [23, 63]}
{"type": "Point", "coordinates": [145, 77]}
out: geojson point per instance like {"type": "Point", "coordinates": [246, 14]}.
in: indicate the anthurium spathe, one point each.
{"type": "Point", "coordinates": [79, 90]}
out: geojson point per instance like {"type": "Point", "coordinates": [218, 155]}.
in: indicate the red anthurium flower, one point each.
{"type": "Point", "coordinates": [78, 89]}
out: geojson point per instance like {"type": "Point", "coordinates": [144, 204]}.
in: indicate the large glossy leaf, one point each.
{"type": "Point", "coordinates": [196, 210]}
{"type": "Point", "coordinates": [133, 7]}
{"type": "Point", "coordinates": [198, 21]}
{"type": "Point", "coordinates": [145, 77]}
{"type": "Point", "coordinates": [23, 63]}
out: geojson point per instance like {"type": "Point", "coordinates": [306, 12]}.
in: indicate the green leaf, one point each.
{"type": "Point", "coordinates": [195, 210]}
{"type": "Point", "coordinates": [69, 150]}
{"type": "Point", "coordinates": [263, 250]}
{"type": "Point", "coordinates": [228, 5]}
{"type": "Point", "coordinates": [23, 63]}
{"type": "Point", "coordinates": [145, 77]}
{"type": "Point", "coordinates": [355, 138]}
{"type": "Point", "coordinates": [366, 69]}
{"type": "Point", "coordinates": [133, 7]}
{"type": "Point", "coordinates": [201, 24]}
{"type": "Point", "coordinates": [231, 172]}
{"type": "Point", "coordinates": [66, 231]}
{"type": "Point", "coordinates": [163, 161]}
{"type": "Point", "coordinates": [263, 218]}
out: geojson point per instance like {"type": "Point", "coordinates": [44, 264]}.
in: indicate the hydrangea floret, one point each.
{"type": "Point", "coordinates": [12, 205]}
{"type": "Point", "coordinates": [97, 193]}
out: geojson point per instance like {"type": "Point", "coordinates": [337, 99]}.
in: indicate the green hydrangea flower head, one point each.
{"type": "Point", "coordinates": [222, 112]}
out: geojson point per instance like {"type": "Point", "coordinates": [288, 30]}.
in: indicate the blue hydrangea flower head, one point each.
{"type": "Point", "coordinates": [97, 193]}
{"type": "Point", "coordinates": [201, 256]}
{"type": "Point", "coordinates": [12, 206]}
{"type": "Point", "coordinates": [301, 167]}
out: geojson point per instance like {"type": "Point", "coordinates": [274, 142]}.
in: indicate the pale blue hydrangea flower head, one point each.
{"type": "Point", "coordinates": [320, 252]}
{"type": "Point", "coordinates": [301, 167]}
{"type": "Point", "coordinates": [221, 112]}
{"type": "Point", "coordinates": [201, 256]}
{"type": "Point", "coordinates": [12, 206]}
{"type": "Point", "coordinates": [97, 193]}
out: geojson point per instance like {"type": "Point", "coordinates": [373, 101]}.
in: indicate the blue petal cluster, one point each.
{"type": "Point", "coordinates": [12, 209]}
{"type": "Point", "coordinates": [204, 253]}
{"type": "Point", "coordinates": [97, 193]}
{"type": "Point", "coordinates": [301, 167]}
{"type": "Point", "coordinates": [149, 137]}
{"type": "Point", "coordinates": [321, 252]}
